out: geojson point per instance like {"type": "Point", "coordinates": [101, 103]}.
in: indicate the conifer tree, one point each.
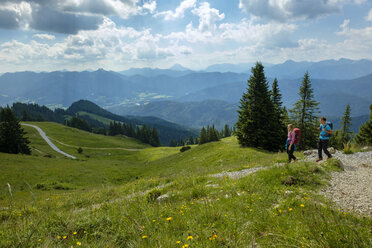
{"type": "Point", "coordinates": [280, 112]}
{"type": "Point", "coordinates": [203, 136]}
{"type": "Point", "coordinates": [364, 136]}
{"type": "Point", "coordinates": [12, 138]}
{"type": "Point", "coordinates": [226, 132]}
{"type": "Point", "coordinates": [346, 124]}
{"type": "Point", "coordinates": [257, 124]}
{"type": "Point", "coordinates": [305, 113]}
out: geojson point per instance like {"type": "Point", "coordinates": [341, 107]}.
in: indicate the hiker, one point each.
{"type": "Point", "coordinates": [290, 144]}
{"type": "Point", "coordinates": [325, 133]}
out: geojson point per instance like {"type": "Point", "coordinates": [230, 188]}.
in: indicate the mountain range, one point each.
{"type": "Point", "coordinates": [192, 98]}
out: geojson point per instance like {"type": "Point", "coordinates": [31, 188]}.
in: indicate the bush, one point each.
{"type": "Point", "coordinates": [80, 150]}
{"type": "Point", "coordinates": [185, 148]}
{"type": "Point", "coordinates": [152, 195]}
{"type": "Point", "coordinates": [348, 148]}
{"type": "Point", "coordinates": [335, 162]}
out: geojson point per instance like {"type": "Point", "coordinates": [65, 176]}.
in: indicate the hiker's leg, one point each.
{"type": "Point", "coordinates": [293, 156]}
{"type": "Point", "coordinates": [320, 147]}
{"type": "Point", "coordinates": [289, 155]}
{"type": "Point", "coordinates": [325, 147]}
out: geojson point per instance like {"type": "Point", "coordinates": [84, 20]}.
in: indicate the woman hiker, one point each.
{"type": "Point", "coordinates": [290, 145]}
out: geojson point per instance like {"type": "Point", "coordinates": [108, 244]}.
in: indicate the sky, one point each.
{"type": "Point", "coordinates": [44, 35]}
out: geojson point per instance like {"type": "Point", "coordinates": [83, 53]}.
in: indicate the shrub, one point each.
{"type": "Point", "coordinates": [185, 148]}
{"type": "Point", "coordinates": [80, 150]}
{"type": "Point", "coordinates": [152, 195]}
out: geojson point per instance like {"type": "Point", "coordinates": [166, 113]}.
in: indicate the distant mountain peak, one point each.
{"type": "Point", "coordinates": [178, 67]}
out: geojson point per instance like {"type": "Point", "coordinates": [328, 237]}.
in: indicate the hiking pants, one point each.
{"type": "Point", "coordinates": [290, 153]}
{"type": "Point", "coordinates": [323, 145]}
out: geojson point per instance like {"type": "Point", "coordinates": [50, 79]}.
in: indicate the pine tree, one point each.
{"type": "Point", "coordinates": [203, 136]}
{"type": "Point", "coordinates": [305, 113]}
{"type": "Point", "coordinates": [364, 136]}
{"type": "Point", "coordinates": [346, 124]}
{"type": "Point", "coordinates": [257, 123]}
{"type": "Point", "coordinates": [280, 112]}
{"type": "Point", "coordinates": [12, 138]}
{"type": "Point", "coordinates": [226, 132]}
{"type": "Point", "coordinates": [155, 138]}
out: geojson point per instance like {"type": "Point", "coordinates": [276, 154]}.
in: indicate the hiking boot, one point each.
{"type": "Point", "coordinates": [319, 159]}
{"type": "Point", "coordinates": [294, 161]}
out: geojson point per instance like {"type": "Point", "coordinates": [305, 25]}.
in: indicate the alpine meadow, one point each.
{"type": "Point", "coordinates": [188, 123]}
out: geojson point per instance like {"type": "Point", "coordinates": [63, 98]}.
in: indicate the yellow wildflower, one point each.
{"type": "Point", "coordinates": [178, 242]}
{"type": "Point", "coordinates": [185, 246]}
{"type": "Point", "coordinates": [189, 237]}
{"type": "Point", "coordinates": [290, 209]}
{"type": "Point", "coordinates": [65, 237]}
{"type": "Point", "coordinates": [144, 237]}
{"type": "Point", "coordinates": [75, 233]}
{"type": "Point", "coordinates": [78, 243]}
{"type": "Point", "coordinates": [302, 205]}
{"type": "Point", "coordinates": [280, 211]}
{"type": "Point", "coordinates": [39, 240]}
{"type": "Point", "coordinates": [169, 218]}
{"type": "Point", "coordinates": [153, 220]}
{"type": "Point", "coordinates": [215, 236]}
{"type": "Point", "coordinates": [58, 237]}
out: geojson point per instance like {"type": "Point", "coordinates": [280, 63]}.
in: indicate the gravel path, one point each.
{"type": "Point", "coordinates": [50, 143]}
{"type": "Point", "coordinates": [352, 188]}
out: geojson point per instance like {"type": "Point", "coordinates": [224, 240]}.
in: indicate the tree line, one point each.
{"type": "Point", "coordinates": [262, 118]}
{"type": "Point", "coordinates": [143, 133]}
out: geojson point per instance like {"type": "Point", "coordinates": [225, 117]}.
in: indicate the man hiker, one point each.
{"type": "Point", "coordinates": [325, 133]}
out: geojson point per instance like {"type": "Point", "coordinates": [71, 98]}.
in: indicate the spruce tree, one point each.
{"type": "Point", "coordinates": [257, 123]}
{"type": "Point", "coordinates": [364, 137]}
{"type": "Point", "coordinates": [12, 138]}
{"type": "Point", "coordinates": [346, 124]}
{"type": "Point", "coordinates": [280, 112]}
{"type": "Point", "coordinates": [203, 136]}
{"type": "Point", "coordinates": [305, 113]}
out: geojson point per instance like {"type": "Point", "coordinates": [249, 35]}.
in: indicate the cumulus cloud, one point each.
{"type": "Point", "coordinates": [270, 35]}
{"type": "Point", "coordinates": [179, 12]}
{"type": "Point", "coordinates": [369, 17]}
{"type": "Point", "coordinates": [284, 10]}
{"type": "Point", "coordinates": [45, 36]}
{"type": "Point", "coordinates": [53, 21]}
{"type": "Point", "coordinates": [207, 17]}
{"type": "Point", "coordinates": [9, 19]}
{"type": "Point", "coordinates": [67, 16]}
{"type": "Point", "coordinates": [109, 45]}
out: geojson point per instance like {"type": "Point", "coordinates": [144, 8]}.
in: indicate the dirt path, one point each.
{"type": "Point", "coordinates": [98, 148]}
{"type": "Point", "coordinates": [50, 143]}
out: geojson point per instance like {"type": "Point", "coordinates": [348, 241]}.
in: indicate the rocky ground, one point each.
{"type": "Point", "coordinates": [351, 189]}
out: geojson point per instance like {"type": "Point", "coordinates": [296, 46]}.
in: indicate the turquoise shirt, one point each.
{"type": "Point", "coordinates": [323, 134]}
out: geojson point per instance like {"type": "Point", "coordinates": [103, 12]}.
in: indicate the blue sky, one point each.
{"type": "Point", "coordinates": [43, 35]}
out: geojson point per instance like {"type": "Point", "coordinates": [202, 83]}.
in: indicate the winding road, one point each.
{"type": "Point", "coordinates": [50, 143]}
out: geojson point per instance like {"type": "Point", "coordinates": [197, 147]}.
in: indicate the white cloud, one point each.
{"type": "Point", "coordinates": [150, 6]}
{"type": "Point", "coordinates": [45, 36]}
{"type": "Point", "coordinates": [269, 35]}
{"type": "Point", "coordinates": [179, 12]}
{"type": "Point", "coordinates": [284, 10]}
{"type": "Point", "coordinates": [369, 17]}
{"type": "Point", "coordinates": [207, 17]}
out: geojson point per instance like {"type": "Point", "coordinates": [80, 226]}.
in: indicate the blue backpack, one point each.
{"type": "Point", "coordinates": [330, 124]}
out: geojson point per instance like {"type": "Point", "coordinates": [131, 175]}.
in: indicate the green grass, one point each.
{"type": "Point", "coordinates": [103, 200]}
{"type": "Point", "coordinates": [104, 120]}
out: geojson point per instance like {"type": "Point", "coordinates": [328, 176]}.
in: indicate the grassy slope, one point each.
{"type": "Point", "coordinates": [89, 196]}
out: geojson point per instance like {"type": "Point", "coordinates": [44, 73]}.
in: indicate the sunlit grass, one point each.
{"type": "Point", "coordinates": [102, 200]}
